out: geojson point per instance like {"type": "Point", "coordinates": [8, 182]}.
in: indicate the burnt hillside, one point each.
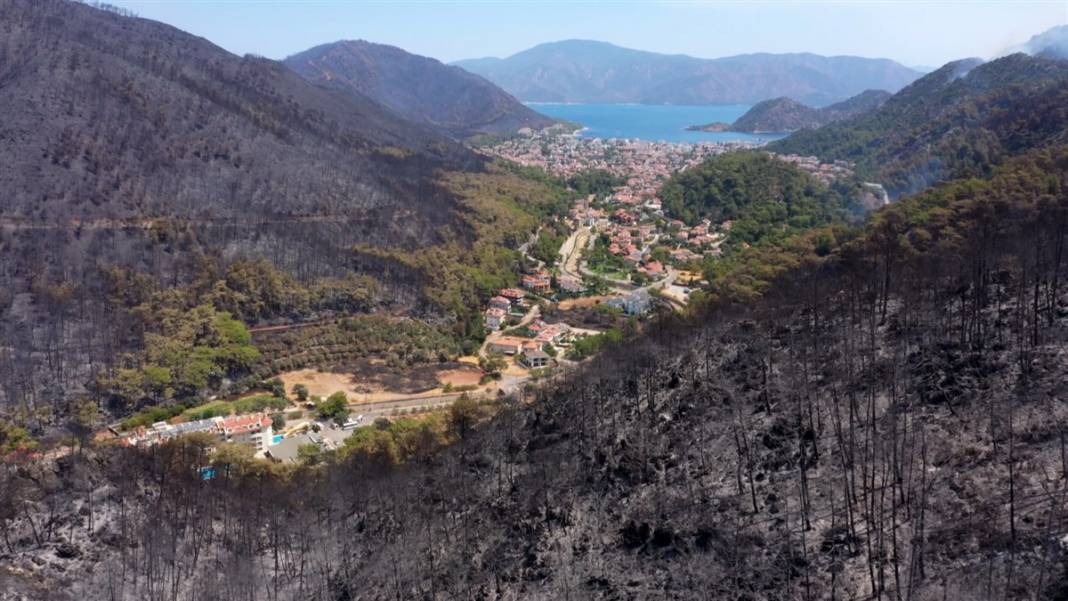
{"type": "Point", "coordinates": [886, 422]}
{"type": "Point", "coordinates": [109, 118]}
{"type": "Point", "coordinates": [418, 88]}
{"type": "Point", "coordinates": [130, 147]}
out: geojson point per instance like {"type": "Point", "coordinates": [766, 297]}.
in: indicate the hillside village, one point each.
{"type": "Point", "coordinates": [364, 324]}
{"type": "Point", "coordinates": [621, 256]}
{"type": "Point", "coordinates": [624, 237]}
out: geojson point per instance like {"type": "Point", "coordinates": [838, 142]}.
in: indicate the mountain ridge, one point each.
{"type": "Point", "coordinates": [599, 72]}
{"type": "Point", "coordinates": [1052, 43]}
{"type": "Point", "coordinates": [783, 115]}
{"type": "Point", "coordinates": [957, 121]}
{"type": "Point", "coordinates": [420, 89]}
{"type": "Point", "coordinates": [190, 111]}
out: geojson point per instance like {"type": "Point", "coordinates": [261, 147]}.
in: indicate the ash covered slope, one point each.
{"type": "Point", "coordinates": [887, 417]}
{"type": "Point", "coordinates": [109, 117]}
{"type": "Point", "coordinates": [418, 88]}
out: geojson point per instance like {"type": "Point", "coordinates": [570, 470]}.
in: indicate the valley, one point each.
{"type": "Point", "coordinates": [359, 323]}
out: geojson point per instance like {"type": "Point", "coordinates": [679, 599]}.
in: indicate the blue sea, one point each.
{"type": "Point", "coordinates": [651, 122]}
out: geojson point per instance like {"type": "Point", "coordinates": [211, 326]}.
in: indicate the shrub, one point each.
{"type": "Point", "coordinates": [278, 421]}
{"type": "Point", "coordinates": [335, 407]}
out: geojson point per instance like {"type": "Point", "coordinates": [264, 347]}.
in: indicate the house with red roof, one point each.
{"type": "Point", "coordinates": [513, 294]}
{"type": "Point", "coordinates": [539, 282]}
{"type": "Point", "coordinates": [254, 430]}
{"type": "Point", "coordinates": [507, 345]}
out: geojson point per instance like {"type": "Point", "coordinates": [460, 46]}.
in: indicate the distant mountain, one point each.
{"type": "Point", "coordinates": [958, 121]}
{"type": "Point", "coordinates": [108, 117]}
{"type": "Point", "coordinates": [587, 71]}
{"type": "Point", "coordinates": [785, 115]}
{"type": "Point", "coordinates": [417, 88]}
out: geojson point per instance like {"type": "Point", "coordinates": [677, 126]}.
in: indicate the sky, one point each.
{"type": "Point", "coordinates": [915, 33]}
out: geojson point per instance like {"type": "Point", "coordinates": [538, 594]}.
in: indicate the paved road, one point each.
{"type": "Point", "coordinates": [571, 251]}
{"type": "Point", "coordinates": [381, 408]}
{"type": "Point", "coordinates": [291, 326]}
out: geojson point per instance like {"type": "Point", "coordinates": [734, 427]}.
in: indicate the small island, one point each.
{"type": "Point", "coordinates": [717, 126]}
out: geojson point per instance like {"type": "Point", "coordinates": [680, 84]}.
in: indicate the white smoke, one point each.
{"type": "Point", "coordinates": [1052, 43]}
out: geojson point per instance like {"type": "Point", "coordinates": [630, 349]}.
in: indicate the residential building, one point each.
{"type": "Point", "coordinates": [254, 430]}
{"type": "Point", "coordinates": [539, 282]}
{"type": "Point", "coordinates": [513, 294]}
{"type": "Point", "coordinates": [507, 345]}
{"type": "Point", "coordinates": [552, 334]}
{"type": "Point", "coordinates": [636, 303]}
{"type": "Point", "coordinates": [684, 255]}
{"type": "Point", "coordinates": [494, 318]}
{"type": "Point", "coordinates": [570, 284]}
{"type": "Point", "coordinates": [535, 359]}
{"type": "Point", "coordinates": [531, 345]}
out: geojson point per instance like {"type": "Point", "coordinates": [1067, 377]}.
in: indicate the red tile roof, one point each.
{"type": "Point", "coordinates": [243, 424]}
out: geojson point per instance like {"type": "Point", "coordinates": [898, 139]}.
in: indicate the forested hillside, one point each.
{"type": "Point", "coordinates": [959, 121]}
{"type": "Point", "coordinates": [885, 418]}
{"type": "Point", "coordinates": [120, 130]}
{"type": "Point", "coordinates": [762, 197]}
{"type": "Point", "coordinates": [786, 115]}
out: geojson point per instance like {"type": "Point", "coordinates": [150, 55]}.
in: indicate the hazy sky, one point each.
{"type": "Point", "coordinates": [914, 33]}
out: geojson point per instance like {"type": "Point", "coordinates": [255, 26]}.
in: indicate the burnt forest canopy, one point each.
{"type": "Point", "coordinates": [153, 181]}
{"type": "Point", "coordinates": [418, 88]}
{"type": "Point", "coordinates": [852, 406]}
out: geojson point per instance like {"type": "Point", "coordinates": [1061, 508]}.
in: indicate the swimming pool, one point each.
{"type": "Point", "coordinates": [277, 438]}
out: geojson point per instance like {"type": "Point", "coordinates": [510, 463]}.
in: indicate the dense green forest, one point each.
{"type": "Point", "coordinates": [594, 181]}
{"type": "Point", "coordinates": [762, 196]}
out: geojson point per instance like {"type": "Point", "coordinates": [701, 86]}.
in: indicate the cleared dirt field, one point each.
{"type": "Point", "coordinates": [581, 303]}
{"type": "Point", "coordinates": [464, 376]}
{"type": "Point", "coordinates": [370, 382]}
{"type": "Point", "coordinates": [319, 383]}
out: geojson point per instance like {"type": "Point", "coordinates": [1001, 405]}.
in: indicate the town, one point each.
{"type": "Point", "coordinates": [620, 259]}
{"type": "Point", "coordinates": [622, 238]}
